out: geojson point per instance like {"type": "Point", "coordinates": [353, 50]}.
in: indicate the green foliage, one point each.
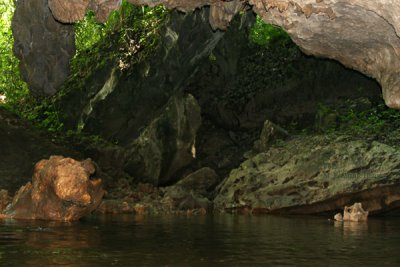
{"type": "Point", "coordinates": [212, 57]}
{"type": "Point", "coordinates": [43, 113]}
{"type": "Point", "coordinates": [361, 118]}
{"type": "Point", "coordinates": [269, 63]}
{"type": "Point", "coordinates": [11, 84]}
{"type": "Point", "coordinates": [264, 34]}
{"type": "Point", "coordinates": [371, 121]}
{"type": "Point", "coordinates": [325, 119]}
{"type": "Point", "coordinates": [88, 32]}
{"type": "Point", "coordinates": [128, 36]}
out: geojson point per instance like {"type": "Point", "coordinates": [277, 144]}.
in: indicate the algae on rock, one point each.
{"type": "Point", "coordinates": [315, 174]}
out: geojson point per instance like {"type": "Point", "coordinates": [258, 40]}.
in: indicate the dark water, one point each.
{"type": "Point", "coordinates": [222, 240]}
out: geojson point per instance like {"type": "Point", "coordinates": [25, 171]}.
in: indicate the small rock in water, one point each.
{"type": "Point", "coordinates": [338, 217]}
{"type": "Point", "coordinates": [354, 213]}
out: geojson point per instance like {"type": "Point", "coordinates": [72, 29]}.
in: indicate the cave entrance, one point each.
{"type": "Point", "coordinates": [256, 73]}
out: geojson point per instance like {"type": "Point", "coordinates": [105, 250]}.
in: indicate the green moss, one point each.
{"type": "Point", "coordinates": [271, 57]}
{"type": "Point", "coordinates": [128, 37]}
{"type": "Point", "coordinates": [264, 34]}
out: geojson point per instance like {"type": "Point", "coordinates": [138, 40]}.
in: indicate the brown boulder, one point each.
{"type": "Point", "coordinates": [354, 213]}
{"type": "Point", "coordinates": [61, 189]}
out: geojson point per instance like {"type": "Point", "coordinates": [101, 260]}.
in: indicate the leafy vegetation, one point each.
{"type": "Point", "coordinates": [359, 118]}
{"type": "Point", "coordinates": [264, 34]}
{"type": "Point", "coordinates": [371, 121]}
{"type": "Point", "coordinates": [41, 112]}
{"type": "Point", "coordinates": [129, 35]}
{"type": "Point", "coordinates": [11, 85]}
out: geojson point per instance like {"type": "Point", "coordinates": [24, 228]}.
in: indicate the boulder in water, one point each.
{"type": "Point", "coordinates": [61, 189]}
{"type": "Point", "coordinates": [355, 213]}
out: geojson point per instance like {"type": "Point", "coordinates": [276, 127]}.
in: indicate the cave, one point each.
{"type": "Point", "coordinates": [203, 119]}
{"type": "Point", "coordinates": [331, 29]}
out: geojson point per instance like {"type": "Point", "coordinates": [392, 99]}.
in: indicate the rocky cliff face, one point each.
{"type": "Point", "coordinates": [144, 111]}
{"type": "Point", "coordinates": [150, 116]}
{"type": "Point", "coordinates": [310, 175]}
{"type": "Point", "coordinates": [363, 35]}
{"type": "Point", "coordinates": [117, 105]}
{"type": "Point", "coordinates": [43, 45]}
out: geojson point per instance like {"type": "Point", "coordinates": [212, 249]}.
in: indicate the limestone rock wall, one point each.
{"type": "Point", "coordinates": [314, 174]}
{"type": "Point", "coordinates": [363, 35]}
{"type": "Point", "coordinates": [43, 45]}
{"type": "Point", "coordinates": [72, 11]}
{"type": "Point", "coordinates": [167, 144]}
{"type": "Point", "coordinates": [116, 105]}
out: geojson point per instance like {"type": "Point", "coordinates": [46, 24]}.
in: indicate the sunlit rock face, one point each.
{"type": "Point", "coordinates": [363, 35]}
{"type": "Point", "coordinates": [43, 45]}
{"type": "Point", "coordinates": [61, 189]}
{"type": "Point", "coordinates": [355, 213]}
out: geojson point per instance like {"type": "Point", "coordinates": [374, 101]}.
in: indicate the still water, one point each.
{"type": "Point", "coordinates": [219, 240]}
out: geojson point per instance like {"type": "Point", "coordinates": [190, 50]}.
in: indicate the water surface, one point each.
{"type": "Point", "coordinates": [220, 240]}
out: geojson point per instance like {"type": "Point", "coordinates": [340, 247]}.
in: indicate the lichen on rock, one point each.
{"type": "Point", "coordinates": [314, 174]}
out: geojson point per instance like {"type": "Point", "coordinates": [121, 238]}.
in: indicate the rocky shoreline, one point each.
{"type": "Point", "coordinates": [304, 174]}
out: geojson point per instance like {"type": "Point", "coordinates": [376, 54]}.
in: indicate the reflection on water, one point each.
{"type": "Point", "coordinates": [219, 240]}
{"type": "Point", "coordinates": [352, 228]}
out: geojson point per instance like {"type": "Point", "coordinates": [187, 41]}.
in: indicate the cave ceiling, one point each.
{"type": "Point", "coordinates": [362, 35]}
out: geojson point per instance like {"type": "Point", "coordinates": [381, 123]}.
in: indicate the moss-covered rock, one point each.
{"type": "Point", "coordinates": [315, 174]}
